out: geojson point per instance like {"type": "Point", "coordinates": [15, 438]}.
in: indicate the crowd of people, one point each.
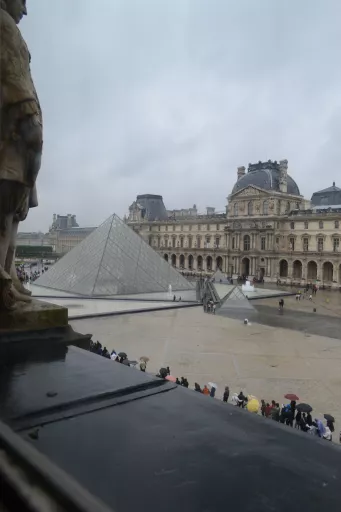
{"type": "Point", "coordinates": [290, 414]}
{"type": "Point", "coordinates": [30, 273]}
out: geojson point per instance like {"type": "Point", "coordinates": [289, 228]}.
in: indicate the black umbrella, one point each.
{"type": "Point", "coordinates": [126, 362]}
{"type": "Point", "coordinates": [329, 417]}
{"type": "Point", "coordinates": [304, 407]}
{"type": "Point", "coordinates": [122, 354]}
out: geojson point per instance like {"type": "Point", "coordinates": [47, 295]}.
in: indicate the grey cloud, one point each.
{"type": "Point", "coordinates": [170, 97]}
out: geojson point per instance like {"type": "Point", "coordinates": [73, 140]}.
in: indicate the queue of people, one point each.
{"type": "Point", "coordinates": [291, 414]}
{"type": "Point", "coordinates": [29, 274]}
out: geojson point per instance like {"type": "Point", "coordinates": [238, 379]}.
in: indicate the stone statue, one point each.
{"type": "Point", "coordinates": [20, 145]}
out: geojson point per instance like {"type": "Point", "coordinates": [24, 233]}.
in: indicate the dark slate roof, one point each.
{"type": "Point", "coordinates": [327, 197]}
{"type": "Point", "coordinates": [139, 443]}
{"type": "Point", "coordinates": [153, 206]}
{"type": "Point", "coordinates": [265, 177]}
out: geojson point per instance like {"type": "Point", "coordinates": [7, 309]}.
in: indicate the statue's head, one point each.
{"type": "Point", "coordinates": [16, 9]}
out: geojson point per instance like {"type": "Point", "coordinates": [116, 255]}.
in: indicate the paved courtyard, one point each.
{"type": "Point", "coordinates": [260, 359]}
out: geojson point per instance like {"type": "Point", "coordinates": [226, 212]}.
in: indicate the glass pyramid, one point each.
{"type": "Point", "coordinates": [113, 260]}
{"type": "Point", "coordinates": [236, 299]}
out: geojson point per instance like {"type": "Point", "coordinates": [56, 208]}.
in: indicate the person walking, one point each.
{"type": "Point", "coordinates": [262, 408]}
{"type": "Point", "coordinates": [226, 394]}
{"type": "Point", "coordinates": [206, 391]}
{"type": "Point", "coordinates": [298, 419]}
{"type": "Point", "coordinates": [197, 387]}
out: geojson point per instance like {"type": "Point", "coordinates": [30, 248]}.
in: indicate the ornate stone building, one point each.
{"type": "Point", "coordinates": [63, 235]}
{"type": "Point", "coordinates": [268, 231]}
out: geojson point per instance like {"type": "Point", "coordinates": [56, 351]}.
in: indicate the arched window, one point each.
{"type": "Point", "coordinates": [266, 207]}
{"type": "Point", "coordinates": [250, 208]}
{"type": "Point", "coordinates": [235, 209]}
{"type": "Point", "coordinates": [246, 243]}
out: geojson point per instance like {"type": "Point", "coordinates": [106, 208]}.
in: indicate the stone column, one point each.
{"type": "Point", "coordinates": [335, 272]}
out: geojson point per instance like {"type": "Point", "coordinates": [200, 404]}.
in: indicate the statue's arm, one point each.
{"type": "Point", "coordinates": [19, 103]}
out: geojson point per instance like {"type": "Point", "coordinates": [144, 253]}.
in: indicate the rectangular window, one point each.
{"type": "Point", "coordinates": [336, 224]}
{"type": "Point", "coordinates": [173, 227]}
{"type": "Point", "coordinates": [181, 242]}
{"type": "Point", "coordinates": [217, 241]}
{"type": "Point", "coordinates": [190, 242]}
{"type": "Point", "coordinates": [190, 227]}
{"type": "Point", "coordinates": [166, 227]}
{"type": "Point", "coordinates": [218, 227]}
{"type": "Point", "coordinates": [173, 242]}
{"type": "Point", "coordinates": [320, 244]}
{"type": "Point", "coordinates": [306, 224]}
{"type": "Point", "coordinates": [199, 242]}
{"type": "Point", "coordinates": [277, 242]}
{"type": "Point", "coordinates": [305, 244]}
{"type": "Point", "coordinates": [321, 224]}
{"type": "Point", "coordinates": [292, 244]}
{"type": "Point", "coordinates": [199, 227]}
{"type": "Point", "coordinates": [336, 242]}
{"type": "Point", "coordinates": [208, 227]}
{"type": "Point", "coordinates": [233, 243]}
{"type": "Point", "coordinates": [208, 241]}
{"type": "Point", "coordinates": [263, 243]}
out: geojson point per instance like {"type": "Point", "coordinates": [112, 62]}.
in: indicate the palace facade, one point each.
{"type": "Point", "coordinates": [269, 230]}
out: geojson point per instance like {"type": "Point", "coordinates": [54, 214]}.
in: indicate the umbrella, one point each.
{"type": "Point", "coordinates": [144, 358]}
{"type": "Point", "coordinates": [126, 362]}
{"type": "Point", "coordinates": [304, 407]}
{"type": "Point", "coordinates": [122, 354]}
{"type": "Point", "coordinates": [171, 378]}
{"type": "Point", "coordinates": [212, 385]}
{"type": "Point", "coordinates": [253, 405]}
{"type": "Point", "coordinates": [291, 396]}
{"type": "Point", "coordinates": [329, 417]}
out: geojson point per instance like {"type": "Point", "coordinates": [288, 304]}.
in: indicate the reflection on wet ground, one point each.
{"type": "Point", "coordinates": [321, 315]}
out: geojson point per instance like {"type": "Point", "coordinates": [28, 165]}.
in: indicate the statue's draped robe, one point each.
{"type": "Point", "coordinates": [18, 101]}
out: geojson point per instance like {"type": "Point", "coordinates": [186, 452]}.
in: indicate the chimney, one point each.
{"type": "Point", "coordinates": [283, 176]}
{"type": "Point", "coordinates": [240, 172]}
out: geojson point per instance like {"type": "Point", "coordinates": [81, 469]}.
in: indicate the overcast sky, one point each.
{"type": "Point", "coordinates": [171, 96]}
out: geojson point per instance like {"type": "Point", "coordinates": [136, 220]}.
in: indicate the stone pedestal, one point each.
{"type": "Point", "coordinates": [36, 324]}
{"type": "Point", "coordinates": [34, 315]}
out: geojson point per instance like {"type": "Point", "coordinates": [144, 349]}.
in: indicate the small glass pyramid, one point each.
{"type": "Point", "coordinates": [113, 260]}
{"type": "Point", "coordinates": [236, 299]}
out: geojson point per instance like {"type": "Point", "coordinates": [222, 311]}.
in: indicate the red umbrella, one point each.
{"type": "Point", "coordinates": [291, 396]}
{"type": "Point", "coordinates": [171, 378]}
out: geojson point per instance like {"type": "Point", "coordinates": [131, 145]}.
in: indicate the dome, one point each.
{"type": "Point", "coordinates": [327, 197]}
{"type": "Point", "coordinates": [266, 176]}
